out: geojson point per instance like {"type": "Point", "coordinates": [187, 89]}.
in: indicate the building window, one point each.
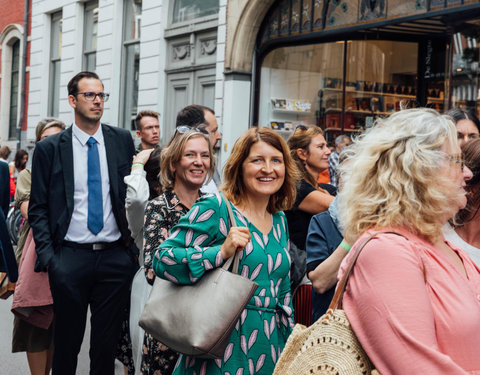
{"type": "Point", "coordinates": [90, 28]}
{"type": "Point", "coordinates": [131, 61]}
{"type": "Point", "coordinates": [15, 74]}
{"type": "Point", "coordinates": [186, 10]}
{"type": "Point", "coordinates": [55, 61]}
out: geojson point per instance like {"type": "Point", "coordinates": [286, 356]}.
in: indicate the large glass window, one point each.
{"type": "Point", "coordinates": [55, 61]}
{"type": "Point", "coordinates": [15, 74]}
{"type": "Point", "coordinates": [186, 10]}
{"type": "Point", "coordinates": [465, 70]}
{"type": "Point", "coordinates": [340, 86]}
{"type": "Point", "coordinates": [131, 61]}
{"type": "Point", "coordinates": [90, 36]}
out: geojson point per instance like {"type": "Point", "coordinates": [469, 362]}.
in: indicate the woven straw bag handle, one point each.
{"type": "Point", "coordinates": [234, 258]}
{"type": "Point", "coordinates": [338, 297]}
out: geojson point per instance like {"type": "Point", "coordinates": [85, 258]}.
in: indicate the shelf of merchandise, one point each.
{"type": "Point", "coordinates": [357, 111]}
{"type": "Point", "coordinates": [279, 110]}
{"type": "Point", "coordinates": [384, 94]}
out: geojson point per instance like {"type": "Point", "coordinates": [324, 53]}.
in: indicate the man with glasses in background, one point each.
{"type": "Point", "coordinates": [81, 234]}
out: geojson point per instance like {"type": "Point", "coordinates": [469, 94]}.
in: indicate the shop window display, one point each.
{"type": "Point", "coordinates": [309, 85]}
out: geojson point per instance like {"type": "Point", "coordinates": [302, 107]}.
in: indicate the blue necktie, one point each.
{"type": "Point", "coordinates": [95, 201]}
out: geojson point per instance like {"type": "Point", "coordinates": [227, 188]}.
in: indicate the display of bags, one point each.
{"type": "Point", "coordinates": [198, 319]}
{"type": "Point", "coordinates": [329, 346]}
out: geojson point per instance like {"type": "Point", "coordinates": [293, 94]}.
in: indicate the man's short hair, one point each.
{"type": "Point", "coordinates": [193, 116]}
{"type": "Point", "coordinates": [72, 86]}
{"type": "Point", "coordinates": [142, 114]}
{"type": "Point", "coordinates": [5, 152]}
{"type": "Point", "coordinates": [341, 139]}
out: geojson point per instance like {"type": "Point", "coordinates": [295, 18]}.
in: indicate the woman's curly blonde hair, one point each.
{"type": "Point", "coordinates": [392, 176]}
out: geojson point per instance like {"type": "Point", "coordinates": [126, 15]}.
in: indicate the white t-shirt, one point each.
{"type": "Point", "coordinates": [452, 236]}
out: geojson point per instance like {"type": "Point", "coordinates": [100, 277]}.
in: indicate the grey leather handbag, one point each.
{"type": "Point", "coordinates": [198, 319]}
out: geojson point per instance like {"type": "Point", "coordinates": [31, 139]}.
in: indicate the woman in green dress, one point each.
{"type": "Point", "coordinates": [259, 182]}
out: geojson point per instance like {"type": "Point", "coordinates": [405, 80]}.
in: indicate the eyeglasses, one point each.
{"type": "Point", "coordinates": [456, 159]}
{"type": "Point", "coordinates": [91, 96]}
{"type": "Point", "coordinates": [182, 129]}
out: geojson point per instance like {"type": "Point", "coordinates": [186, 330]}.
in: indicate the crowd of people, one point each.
{"type": "Point", "coordinates": [103, 220]}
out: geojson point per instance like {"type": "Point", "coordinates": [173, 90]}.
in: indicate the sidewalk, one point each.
{"type": "Point", "coordinates": [16, 363]}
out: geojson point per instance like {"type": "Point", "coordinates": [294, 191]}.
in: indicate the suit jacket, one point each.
{"type": "Point", "coordinates": [51, 198]}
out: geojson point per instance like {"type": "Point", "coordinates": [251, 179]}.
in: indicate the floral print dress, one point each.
{"type": "Point", "coordinates": [264, 326]}
{"type": "Point", "coordinates": [161, 214]}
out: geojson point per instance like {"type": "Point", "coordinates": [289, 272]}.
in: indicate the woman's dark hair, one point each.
{"type": "Point", "coordinates": [18, 160]}
{"type": "Point", "coordinates": [458, 114]}
{"type": "Point", "coordinates": [471, 154]}
{"type": "Point", "coordinates": [152, 168]}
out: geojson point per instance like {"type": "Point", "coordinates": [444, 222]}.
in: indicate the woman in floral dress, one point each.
{"type": "Point", "coordinates": [259, 182]}
{"type": "Point", "coordinates": [185, 164]}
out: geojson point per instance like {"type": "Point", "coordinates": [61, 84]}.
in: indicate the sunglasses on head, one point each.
{"type": "Point", "coordinates": [182, 129]}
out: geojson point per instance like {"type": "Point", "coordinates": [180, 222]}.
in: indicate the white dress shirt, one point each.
{"type": "Point", "coordinates": [78, 230]}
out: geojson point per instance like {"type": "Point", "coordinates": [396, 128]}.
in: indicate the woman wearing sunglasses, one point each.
{"type": "Point", "coordinates": [185, 164]}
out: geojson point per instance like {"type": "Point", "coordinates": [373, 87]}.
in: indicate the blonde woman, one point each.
{"type": "Point", "coordinates": [412, 298]}
{"type": "Point", "coordinates": [185, 164]}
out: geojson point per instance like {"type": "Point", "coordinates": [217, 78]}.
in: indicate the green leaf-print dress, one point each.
{"type": "Point", "coordinates": [263, 328]}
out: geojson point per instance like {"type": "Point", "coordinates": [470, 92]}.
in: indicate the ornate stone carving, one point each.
{"type": "Point", "coordinates": [208, 47]}
{"type": "Point", "coordinates": [181, 52]}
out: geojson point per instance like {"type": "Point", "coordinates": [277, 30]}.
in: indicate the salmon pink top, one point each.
{"type": "Point", "coordinates": [408, 322]}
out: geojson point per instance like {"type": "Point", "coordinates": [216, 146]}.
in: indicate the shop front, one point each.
{"type": "Point", "coordinates": [342, 64]}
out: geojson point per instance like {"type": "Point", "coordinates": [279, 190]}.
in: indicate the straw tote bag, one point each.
{"type": "Point", "coordinates": [329, 346]}
{"type": "Point", "coordinates": [198, 319]}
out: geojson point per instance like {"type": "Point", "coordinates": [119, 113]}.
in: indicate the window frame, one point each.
{"type": "Point", "coordinates": [13, 112]}
{"type": "Point", "coordinates": [90, 9]}
{"type": "Point", "coordinates": [126, 99]}
{"type": "Point", "coordinates": [195, 21]}
{"type": "Point", "coordinates": [55, 62]}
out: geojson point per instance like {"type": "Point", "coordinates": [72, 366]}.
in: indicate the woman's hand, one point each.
{"type": "Point", "coordinates": [236, 240]}
{"type": "Point", "coordinates": [141, 158]}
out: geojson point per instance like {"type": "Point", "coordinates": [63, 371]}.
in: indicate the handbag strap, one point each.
{"type": "Point", "coordinates": [338, 296]}
{"type": "Point", "coordinates": [231, 218]}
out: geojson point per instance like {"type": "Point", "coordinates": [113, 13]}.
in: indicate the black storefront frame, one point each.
{"type": "Point", "coordinates": [451, 17]}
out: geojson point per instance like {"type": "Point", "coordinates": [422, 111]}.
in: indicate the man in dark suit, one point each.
{"type": "Point", "coordinates": [81, 234]}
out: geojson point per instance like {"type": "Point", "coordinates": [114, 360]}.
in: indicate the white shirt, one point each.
{"type": "Point", "coordinates": [135, 202]}
{"type": "Point", "coordinates": [452, 236]}
{"type": "Point", "coordinates": [78, 230]}
{"type": "Point", "coordinates": [210, 187]}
